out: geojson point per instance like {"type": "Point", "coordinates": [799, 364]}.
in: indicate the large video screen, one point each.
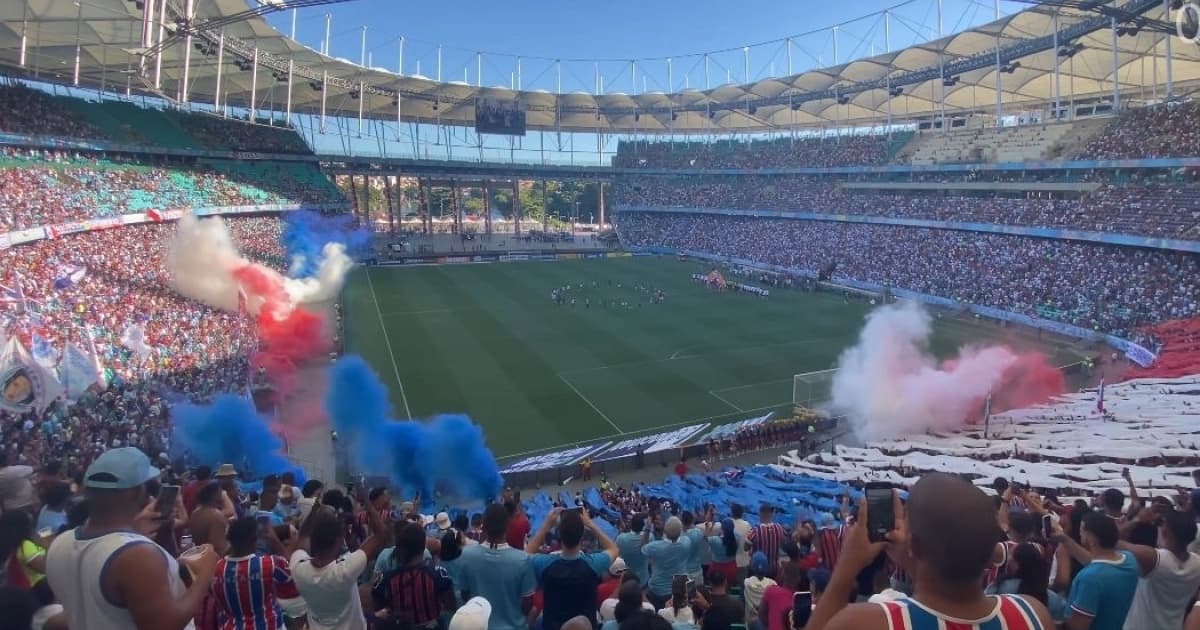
{"type": "Point", "coordinates": [500, 117]}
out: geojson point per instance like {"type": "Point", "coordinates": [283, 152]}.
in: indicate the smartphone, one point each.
{"type": "Point", "coordinates": [679, 590]}
{"type": "Point", "coordinates": [801, 608]}
{"type": "Point", "coordinates": [264, 523]}
{"type": "Point", "coordinates": [165, 503]}
{"type": "Point", "coordinates": [1047, 526]}
{"type": "Point", "coordinates": [881, 515]}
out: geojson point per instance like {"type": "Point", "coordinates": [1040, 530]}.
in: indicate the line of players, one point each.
{"type": "Point", "coordinates": [570, 294]}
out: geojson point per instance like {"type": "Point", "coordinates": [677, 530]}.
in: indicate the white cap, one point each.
{"type": "Point", "coordinates": [617, 567]}
{"type": "Point", "coordinates": [473, 615]}
{"type": "Point", "coordinates": [442, 520]}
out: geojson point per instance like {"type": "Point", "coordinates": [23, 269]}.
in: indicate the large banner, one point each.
{"type": "Point", "coordinates": [556, 459]}
{"type": "Point", "coordinates": [720, 432]}
{"type": "Point", "coordinates": [24, 384]}
{"type": "Point", "coordinates": [652, 443]}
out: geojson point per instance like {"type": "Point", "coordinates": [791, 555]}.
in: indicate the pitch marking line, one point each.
{"type": "Point", "coordinates": [387, 340]}
{"type": "Point", "coordinates": [591, 404]}
{"type": "Point", "coordinates": [676, 356]}
{"type": "Point", "coordinates": [420, 312]}
{"type": "Point", "coordinates": [735, 388]}
{"type": "Point", "coordinates": [714, 394]}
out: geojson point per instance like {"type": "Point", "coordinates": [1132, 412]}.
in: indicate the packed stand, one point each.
{"type": "Point", "coordinates": [1104, 288]}
{"type": "Point", "coordinates": [223, 134]}
{"type": "Point", "coordinates": [103, 550]}
{"type": "Point", "coordinates": [845, 150]}
{"type": "Point", "coordinates": [51, 187]}
{"type": "Point", "coordinates": [1169, 210]}
{"type": "Point", "coordinates": [1170, 130]}
{"type": "Point", "coordinates": [194, 351]}
{"type": "Point", "coordinates": [33, 112]}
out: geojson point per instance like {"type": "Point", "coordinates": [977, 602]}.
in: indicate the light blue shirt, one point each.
{"type": "Point", "coordinates": [630, 546]}
{"type": "Point", "coordinates": [599, 561]}
{"type": "Point", "coordinates": [1104, 590]}
{"type": "Point", "coordinates": [695, 554]}
{"type": "Point", "coordinates": [503, 576]}
{"type": "Point", "coordinates": [670, 559]}
{"type": "Point", "coordinates": [51, 519]}
{"type": "Point", "coordinates": [717, 545]}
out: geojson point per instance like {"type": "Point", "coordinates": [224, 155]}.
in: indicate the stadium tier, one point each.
{"type": "Point", "coordinates": [803, 321]}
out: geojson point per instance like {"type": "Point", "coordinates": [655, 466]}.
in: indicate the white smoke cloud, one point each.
{"type": "Point", "coordinates": [201, 259]}
{"type": "Point", "coordinates": [890, 384]}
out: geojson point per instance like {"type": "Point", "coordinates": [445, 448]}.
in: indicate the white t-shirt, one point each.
{"type": "Point", "coordinates": [741, 529]}
{"type": "Point", "coordinates": [331, 591]}
{"type": "Point", "coordinates": [1163, 594]}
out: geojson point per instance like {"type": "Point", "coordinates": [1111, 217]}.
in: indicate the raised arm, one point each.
{"type": "Point", "coordinates": [606, 544]}
{"type": "Point", "coordinates": [535, 544]}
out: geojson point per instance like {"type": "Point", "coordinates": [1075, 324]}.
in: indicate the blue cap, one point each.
{"type": "Point", "coordinates": [759, 563]}
{"type": "Point", "coordinates": [120, 468]}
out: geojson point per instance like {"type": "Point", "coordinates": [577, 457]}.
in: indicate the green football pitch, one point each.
{"type": "Point", "coordinates": [487, 340]}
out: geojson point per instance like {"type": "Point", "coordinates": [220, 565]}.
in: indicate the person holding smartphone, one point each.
{"type": "Point", "coordinates": [570, 578]}
{"type": "Point", "coordinates": [110, 578]}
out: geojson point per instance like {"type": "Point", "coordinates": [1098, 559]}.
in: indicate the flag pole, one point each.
{"type": "Point", "coordinates": [987, 415]}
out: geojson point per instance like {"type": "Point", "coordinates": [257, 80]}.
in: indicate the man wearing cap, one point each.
{"type": "Point", "coordinates": [108, 577]}
{"type": "Point", "coordinates": [669, 558]}
{"type": "Point", "coordinates": [612, 581]}
{"type": "Point", "coordinates": [473, 615]}
{"type": "Point", "coordinates": [570, 578]}
{"type": "Point", "coordinates": [227, 478]}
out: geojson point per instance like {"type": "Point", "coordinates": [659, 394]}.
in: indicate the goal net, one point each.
{"type": "Point", "coordinates": [811, 389]}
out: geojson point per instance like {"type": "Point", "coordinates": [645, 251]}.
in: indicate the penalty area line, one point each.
{"type": "Point", "coordinates": [590, 404]}
{"type": "Point", "coordinates": [387, 340]}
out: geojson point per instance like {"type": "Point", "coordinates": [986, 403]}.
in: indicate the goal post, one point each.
{"type": "Point", "coordinates": [812, 389]}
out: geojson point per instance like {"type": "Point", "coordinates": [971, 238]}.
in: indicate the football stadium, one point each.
{"type": "Point", "coordinates": [883, 315]}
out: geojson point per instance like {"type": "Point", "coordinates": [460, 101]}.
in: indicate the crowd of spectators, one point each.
{"type": "Point", "coordinates": [1168, 209]}
{"type": "Point", "coordinates": [50, 187]}
{"type": "Point", "coordinates": [223, 134]}
{"type": "Point", "coordinates": [1169, 130]}
{"type": "Point", "coordinates": [103, 550]}
{"type": "Point", "coordinates": [194, 351]}
{"type": "Point", "coordinates": [1103, 288]}
{"type": "Point", "coordinates": [34, 112]}
{"type": "Point", "coordinates": [29, 111]}
{"type": "Point", "coordinates": [815, 152]}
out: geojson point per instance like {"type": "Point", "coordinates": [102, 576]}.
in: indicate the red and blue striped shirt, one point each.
{"type": "Point", "coordinates": [1011, 613]}
{"type": "Point", "coordinates": [248, 590]}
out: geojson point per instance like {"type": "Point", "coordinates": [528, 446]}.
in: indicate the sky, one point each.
{"type": "Point", "coordinates": [616, 31]}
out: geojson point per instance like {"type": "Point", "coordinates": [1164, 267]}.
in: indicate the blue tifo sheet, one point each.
{"type": "Point", "coordinates": [794, 497]}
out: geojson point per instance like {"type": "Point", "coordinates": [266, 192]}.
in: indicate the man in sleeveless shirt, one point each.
{"type": "Point", "coordinates": [945, 540]}
{"type": "Point", "coordinates": [109, 577]}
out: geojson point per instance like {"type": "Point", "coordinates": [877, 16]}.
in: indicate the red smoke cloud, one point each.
{"type": "Point", "coordinates": [1030, 380]}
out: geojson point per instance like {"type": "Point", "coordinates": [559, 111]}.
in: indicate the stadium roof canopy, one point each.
{"type": "Point", "coordinates": [112, 57]}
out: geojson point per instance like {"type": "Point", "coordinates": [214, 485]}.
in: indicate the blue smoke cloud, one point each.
{"type": "Point", "coordinates": [229, 431]}
{"type": "Point", "coordinates": [305, 233]}
{"type": "Point", "coordinates": [446, 454]}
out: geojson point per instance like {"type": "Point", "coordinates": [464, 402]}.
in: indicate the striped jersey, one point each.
{"type": "Point", "coordinates": [767, 538]}
{"type": "Point", "coordinates": [829, 542]}
{"type": "Point", "coordinates": [248, 589]}
{"type": "Point", "coordinates": [1011, 613]}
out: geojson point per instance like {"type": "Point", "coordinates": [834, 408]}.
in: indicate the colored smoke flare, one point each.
{"type": "Point", "coordinates": [446, 454]}
{"type": "Point", "coordinates": [889, 384]}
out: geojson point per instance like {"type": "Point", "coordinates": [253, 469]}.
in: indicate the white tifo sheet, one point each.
{"type": "Point", "coordinates": [1153, 428]}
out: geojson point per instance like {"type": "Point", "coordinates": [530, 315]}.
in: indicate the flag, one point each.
{"type": "Point", "coordinates": [134, 338]}
{"type": "Point", "coordinates": [1100, 397]}
{"type": "Point", "coordinates": [77, 370]}
{"type": "Point", "coordinates": [43, 352]}
{"type": "Point", "coordinates": [69, 276]}
{"type": "Point", "coordinates": [9, 294]}
{"type": "Point", "coordinates": [154, 215]}
{"type": "Point", "coordinates": [25, 385]}
{"type": "Point", "coordinates": [97, 364]}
